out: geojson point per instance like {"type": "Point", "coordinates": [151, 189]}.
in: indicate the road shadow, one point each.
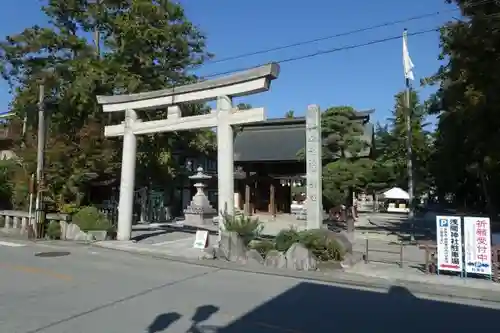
{"type": "Point", "coordinates": [147, 235]}
{"type": "Point", "coordinates": [149, 232]}
{"type": "Point", "coordinates": [311, 307]}
{"type": "Point", "coordinates": [403, 228]}
{"type": "Point", "coordinates": [163, 321]}
{"type": "Point", "coordinates": [202, 314]}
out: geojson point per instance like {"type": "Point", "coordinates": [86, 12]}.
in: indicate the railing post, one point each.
{"type": "Point", "coordinates": [366, 251]}
{"type": "Point", "coordinates": [401, 247]}
{"type": "Point", "coordinates": [24, 224]}
{"type": "Point", "coordinates": [16, 222]}
{"type": "Point", "coordinates": [7, 222]}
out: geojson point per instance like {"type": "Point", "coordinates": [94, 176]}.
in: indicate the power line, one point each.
{"type": "Point", "coordinates": [337, 49]}
{"type": "Point", "coordinates": [342, 34]}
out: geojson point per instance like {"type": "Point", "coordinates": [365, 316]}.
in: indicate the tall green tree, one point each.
{"type": "Point", "coordinates": [466, 164]}
{"type": "Point", "coordinates": [343, 147]}
{"type": "Point", "coordinates": [389, 167]}
{"type": "Point", "coordinates": [382, 173]}
{"type": "Point", "coordinates": [421, 141]}
{"type": "Point", "coordinates": [143, 45]}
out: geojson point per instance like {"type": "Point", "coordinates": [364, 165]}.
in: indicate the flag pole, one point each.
{"type": "Point", "coordinates": [409, 152]}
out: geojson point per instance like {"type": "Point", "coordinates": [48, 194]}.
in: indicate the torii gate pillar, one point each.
{"type": "Point", "coordinates": [225, 158]}
{"type": "Point", "coordinates": [223, 90]}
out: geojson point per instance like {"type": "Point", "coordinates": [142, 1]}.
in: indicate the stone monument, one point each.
{"type": "Point", "coordinates": [199, 211]}
{"type": "Point", "coordinates": [314, 206]}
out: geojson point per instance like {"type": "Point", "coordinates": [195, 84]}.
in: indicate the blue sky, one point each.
{"type": "Point", "coordinates": [364, 78]}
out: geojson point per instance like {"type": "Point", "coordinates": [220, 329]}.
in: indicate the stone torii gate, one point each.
{"type": "Point", "coordinates": [223, 118]}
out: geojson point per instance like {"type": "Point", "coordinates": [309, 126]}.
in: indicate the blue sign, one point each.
{"type": "Point", "coordinates": [443, 223]}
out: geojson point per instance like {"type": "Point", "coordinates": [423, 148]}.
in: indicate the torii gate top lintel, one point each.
{"type": "Point", "coordinates": [243, 83]}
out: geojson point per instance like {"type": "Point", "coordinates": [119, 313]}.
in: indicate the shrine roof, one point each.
{"type": "Point", "coordinates": [282, 138]}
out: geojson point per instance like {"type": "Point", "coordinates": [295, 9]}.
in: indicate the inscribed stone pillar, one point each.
{"type": "Point", "coordinates": [314, 204]}
{"type": "Point", "coordinates": [272, 200]}
{"type": "Point", "coordinates": [125, 206]}
{"type": "Point", "coordinates": [225, 158]}
{"type": "Point", "coordinates": [248, 210]}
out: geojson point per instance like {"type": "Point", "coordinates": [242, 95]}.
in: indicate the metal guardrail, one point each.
{"type": "Point", "coordinates": [495, 256]}
{"type": "Point", "coordinates": [367, 258]}
{"type": "Point", "coordinates": [431, 260]}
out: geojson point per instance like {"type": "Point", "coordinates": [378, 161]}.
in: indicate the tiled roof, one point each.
{"type": "Point", "coordinates": [281, 139]}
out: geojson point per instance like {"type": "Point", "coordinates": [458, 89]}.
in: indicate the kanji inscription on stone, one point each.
{"type": "Point", "coordinates": [313, 168]}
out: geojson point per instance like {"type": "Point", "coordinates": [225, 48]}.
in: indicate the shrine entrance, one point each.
{"type": "Point", "coordinates": [223, 118]}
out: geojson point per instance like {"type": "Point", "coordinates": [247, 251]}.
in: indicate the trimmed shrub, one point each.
{"type": "Point", "coordinates": [285, 239]}
{"type": "Point", "coordinates": [263, 246]}
{"type": "Point", "coordinates": [323, 247]}
{"type": "Point", "coordinates": [54, 230]}
{"type": "Point", "coordinates": [246, 227]}
{"type": "Point", "coordinates": [90, 218]}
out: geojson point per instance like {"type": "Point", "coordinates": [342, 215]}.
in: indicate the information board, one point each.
{"type": "Point", "coordinates": [449, 243]}
{"type": "Point", "coordinates": [477, 238]}
{"type": "Point", "coordinates": [201, 239]}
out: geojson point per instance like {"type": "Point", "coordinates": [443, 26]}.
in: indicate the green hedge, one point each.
{"type": "Point", "coordinates": [90, 218]}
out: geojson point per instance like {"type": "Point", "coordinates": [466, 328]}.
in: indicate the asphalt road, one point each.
{"type": "Point", "coordinates": [94, 290]}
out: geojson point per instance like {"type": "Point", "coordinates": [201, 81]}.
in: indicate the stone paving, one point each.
{"type": "Point", "coordinates": [173, 239]}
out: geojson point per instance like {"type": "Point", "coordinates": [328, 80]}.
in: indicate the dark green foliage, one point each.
{"type": "Point", "coordinates": [323, 247]}
{"type": "Point", "coordinates": [54, 230]}
{"type": "Point", "coordinates": [142, 45]}
{"type": "Point", "coordinates": [246, 227]}
{"type": "Point", "coordinates": [263, 246]}
{"type": "Point", "coordinates": [466, 163]}
{"type": "Point", "coordinates": [318, 241]}
{"type": "Point", "coordinates": [90, 218]}
{"type": "Point", "coordinates": [389, 167]}
{"type": "Point", "coordinates": [6, 184]}
{"type": "Point", "coordinates": [285, 238]}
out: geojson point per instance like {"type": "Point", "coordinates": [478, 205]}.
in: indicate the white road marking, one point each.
{"type": "Point", "coordinates": [9, 244]}
{"type": "Point", "coordinates": [185, 240]}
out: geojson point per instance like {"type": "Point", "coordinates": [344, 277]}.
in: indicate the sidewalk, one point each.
{"type": "Point", "coordinates": [361, 275]}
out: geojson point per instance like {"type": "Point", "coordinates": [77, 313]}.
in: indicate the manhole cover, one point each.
{"type": "Point", "coordinates": [51, 254]}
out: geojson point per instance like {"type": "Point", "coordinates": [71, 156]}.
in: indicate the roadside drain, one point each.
{"type": "Point", "coordinates": [51, 254]}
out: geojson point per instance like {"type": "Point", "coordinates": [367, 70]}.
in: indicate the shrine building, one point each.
{"type": "Point", "coordinates": [268, 171]}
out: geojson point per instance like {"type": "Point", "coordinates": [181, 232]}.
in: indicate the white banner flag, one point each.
{"type": "Point", "coordinates": [407, 63]}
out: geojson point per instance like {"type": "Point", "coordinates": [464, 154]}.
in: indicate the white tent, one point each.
{"type": "Point", "coordinates": [396, 193]}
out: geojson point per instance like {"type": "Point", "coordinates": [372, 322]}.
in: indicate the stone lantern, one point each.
{"type": "Point", "coordinates": [199, 211]}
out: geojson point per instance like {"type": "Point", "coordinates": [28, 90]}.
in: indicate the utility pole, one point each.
{"type": "Point", "coordinates": [409, 152]}
{"type": "Point", "coordinates": [408, 71]}
{"type": "Point", "coordinates": [39, 217]}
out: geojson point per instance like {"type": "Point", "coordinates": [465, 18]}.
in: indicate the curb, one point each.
{"type": "Point", "coordinates": [340, 277]}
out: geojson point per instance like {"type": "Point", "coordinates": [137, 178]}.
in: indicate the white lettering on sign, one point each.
{"type": "Point", "coordinates": [449, 243]}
